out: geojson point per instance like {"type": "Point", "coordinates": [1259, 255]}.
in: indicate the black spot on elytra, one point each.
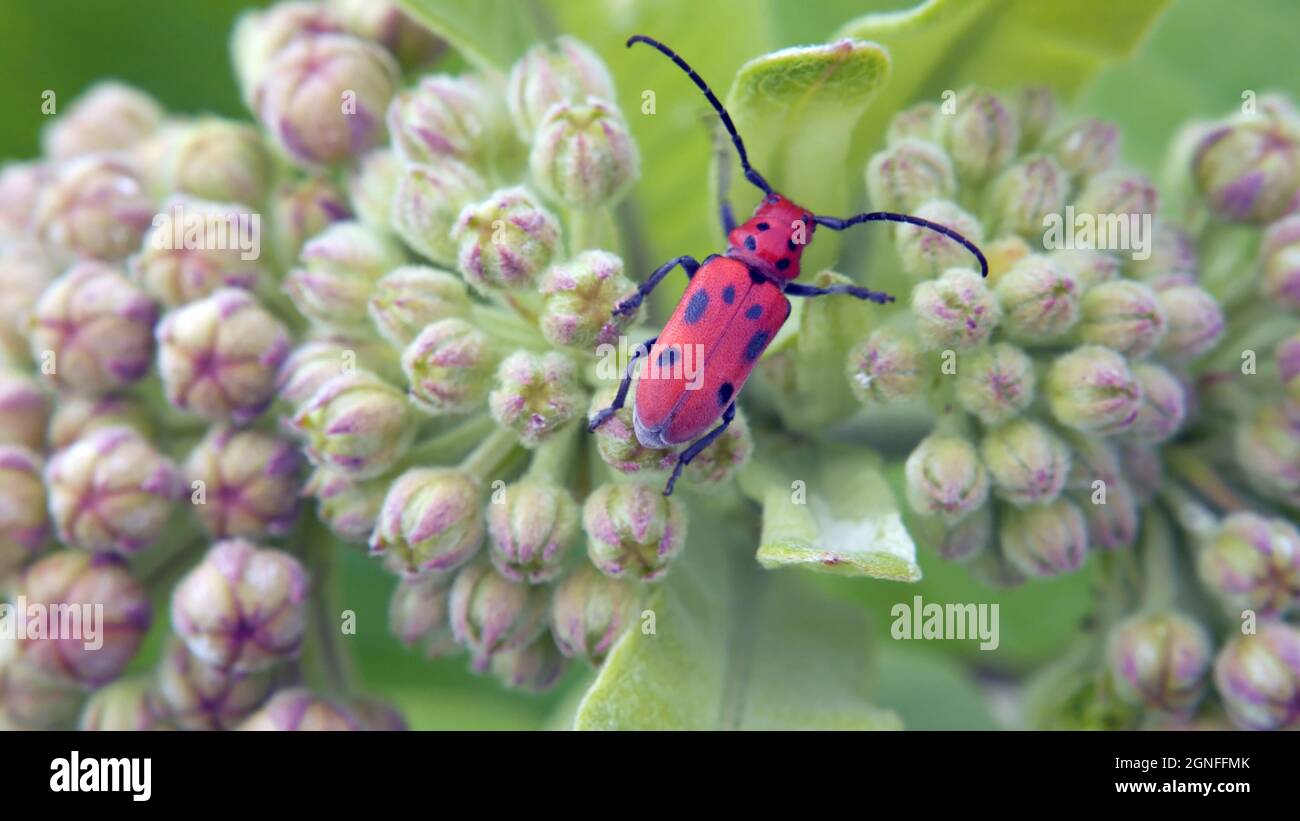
{"type": "Point", "coordinates": [757, 343]}
{"type": "Point", "coordinates": [750, 244]}
{"type": "Point", "coordinates": [754, 311]}
{"type": "Point", "coordinates": [668, 357]}
{"type": "Point", "coordinates": [762, 226]}
{"type": "Point", "coordinates": [790, 244]}
{"type": "Point", "coordinates": [756, 277]}
{"type": "Point", "coordinates": [697, 306]}
{"type": "Point", "coordinates": [729, 294]}
{"type": "Point", "coordinates": [782, 264]}
{"type": "Point", "coordinates": [725, 393]}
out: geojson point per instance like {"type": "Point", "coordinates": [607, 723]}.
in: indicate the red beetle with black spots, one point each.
{"type": "Point", "coordinates": [732, 308]}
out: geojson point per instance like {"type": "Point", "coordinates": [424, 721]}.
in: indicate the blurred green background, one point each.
{"type": "Point", "coordinates": [1197, 62]}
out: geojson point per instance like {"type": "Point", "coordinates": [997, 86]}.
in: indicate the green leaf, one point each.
{"type": "Point", "coordinates": [490, 34]}
{"type": "Point", "coordinates": [929, 692]}
{"type": "Point", "coordinates": [736, 648]}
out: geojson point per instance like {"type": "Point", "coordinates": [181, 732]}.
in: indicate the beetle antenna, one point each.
{"type": "Point", "coordinates": [750, 174]}
{"type": "Point", "coordinates": [836, 224]}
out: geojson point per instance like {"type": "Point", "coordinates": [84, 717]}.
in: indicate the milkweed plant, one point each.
{"type": "Point", "coordinates": [360, 332]}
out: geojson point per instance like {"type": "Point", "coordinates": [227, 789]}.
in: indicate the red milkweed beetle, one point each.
{"type": "Point", "coordinates": [732, 308]}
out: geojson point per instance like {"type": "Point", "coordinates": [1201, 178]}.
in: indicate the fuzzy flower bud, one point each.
{"type": "Point", "coordinates": [995, 383]}
{"type": "Point", "coordinates": [1023, 196]}
{"type": "Point", "coordinates": [408, 299]}
{"type": "Point", "coordinates": [76, 416]}
{"type": "Point", "coordinates": [1194, 320]}
{"type": "Point", "coordinates": [1086, 267]}
{"type": "Point", "coordinates": [580, 297]}
{"type": "Point", "coordinates": [79, 583]}
{"type": "Point", "coordinates": [885, 367]}
{"type": "Point", "coordinates": [220, 160]}
{"type": "Point", "coordinates": [1172, 261]}
{"type": "Point", "coordinates": [24, 411]}
{"type": "Point", "coordinates": [534, 668]}
{"type": "Point", "coordinates": [323, 98]}
{"type": "Point", "coordinates": [177, 264]}
{"type": "Point", "coordinates": [356, 423]}
{"type": "Point", "coordinates": [1092, 389]}
{"type": "Point", "coordinates": [419, 613]}
{"type": "Point", "coordinates": [532, 531]}
{"type": "Point", "coordinates": [371, 186]}
{"type": "Point", "coordinates": [298, 710]}
{"type": "Point", "coordinates": [1086, 148]}
{"type": "Point", "coordinates": [108, 116]}
{"type": "Point", "coordinates": [1112, 523]}
{"type": "Point", "coordinates": [384, 22]}
{"type": "Point", "coordinates": [449, 366]}
{"type": "Point", "coordinates": [20, 189]}
{"type": "Point", "coordinates": [445, 118]}
{"type": "Point", "coordinates": [340, 267]}
{"type": "Point", "coordinates": [926, 253]}
{"type": "Point", "coordinates": [319, 360]}
{"type": "Point", "coordinates": [1253, 563]}
{"type": "Point", "coordinates": [590, 611]}
{"type": "Point", "coordinates": [536, 394]}
{"type": "Point", "coordinates": [301, 209]}
{"type": "Point", "coordinates": [969, 537]}
{"type": "Point", "coordinates": [1118, 192]}
{"type": "Point", "coordinates": [243, 608]}
{"type": "Point", "coordinates": [722, 459]}
{"type": "Point", "coordinates": [426, 201]}
{"type": "Point", "coordinates": [1267, 449]}
{"type": "Point", "coordinates": [1258, 678]}
{"type": "Point", "coordinates": [1044, 540]}
{"type": "Point", "coordinates": [26, 270]}
{"type": "Point", "coordinates": [259, 35]}
{"type": "Point", "coordinates": [583, 155]}
{"type": "Point", "coordinates": [112, 492]}
{"type": "Point", "coordinates": [633, 530]}
{"type": "Point", "coordinates": [1164, 403]}
{"type": "Point", "coordinates": [565, 71]}
{"type": "Point", "coordinates": [505, 240]}
{"type": "Point", "coordinates": [945, 478]}
{"type": "Point", "coordinates": [1143, 468]}
{"type": "Point", "coordinates": [92, 331]}
{"type": "Point", "coordinates": [1040, 301]}
{"type": "Point", "coordinates": [431, 520]}
{"type": "Point", "coordinates": [981, 137]}
{"type": "Point", "coordinates": [126, 705]}
{"type": "Point", "coordinates": [1280, 259]}
{"type": "Point", "coordinates": [954, 311]}
{"type": "Point", "coordinates": [1036, 110]}
{"type": "Point", "coordinates": [1287, 355]}
{"type": "Point", "coordinates": [1028, 463]}
{"type": "Point", "coordinates": [1123, 315]}
{"type": "Point", "coordinates": [24, 523]}
{"type": "Point", "coordinates": [94, 207]}
{"type": "Point", "coordinates": [348, 507]}
{"type": "Point", "coordinates": [908, 174]}
{"type": "Point", "coordinates": [919, 122]}
{"type": "Point", "coordinates": [219, 357]}
{"type": "Point", "coordinates": [250, 482]}
{"type": "Point", "coordinates": [1160, 661]}
{"type": "Point", "coordinates": [31, 699]}
{"type": "Point", "coordinates": [1248, 169]}
{"type": "Point", "coordinates": [491, 614]}
{"type": "Point", "coordinates": [617, 442]}
{"type": "Point", "coordinates": [199, 696]}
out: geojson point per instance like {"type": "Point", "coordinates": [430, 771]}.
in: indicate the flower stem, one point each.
{"type": "Point", "coordinates": [450, 444]}
{"type": "Point", "coordinates": [489, 455]}
{"type": "Point", "coordinates": [1192, 469]}
{"type": "Point", "coordinates": [551, 461]}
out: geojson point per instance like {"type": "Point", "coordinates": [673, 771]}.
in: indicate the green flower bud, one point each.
{"type": "Point", "coordinates": [927, 254]}
{"type": "Point", "coordinates": [534, 668]}
{"type": "Point", "coordinates": [431, 520]}
{"type": "Point", "coordinates": [1280, 258]}
{"type": "Point", "coordinates": [1194, 319]}
{"type": "Point", "coordinates": [26, 270]}
{"type": "Point", "coordinates": [1253, 563]}
{"type": "Point", "coordinates": [384, 22]}
{"type": "Point", "coordinates": [1086, 148]}
{"type": "Point", "coordinates": [1114, 523]}
{"type": "Point", "coordinates": [1040, 301]}
{"type": "Point", "coordinates": [1160, 661]}
{"type": "Point", "coordinates": [408, 299]}
{"type": "Point", "coordinates": [298, 710]}
{"type": "Point", "coordinates": [259, 35]}
{"type": "Point", "coordinates": [419, 614]}
{"type": "Point", "coordinates": [1123, 315]}
{"type": "Point", "coordinates": [112, 492]}
{"type": "Point", "coordinates": [1044, 540]}
{"type": "Point", "coordinates": [340, 267]}
{"type": "Point", "coordinates": [1028, 463]}
{"type": "Point", "coordinates": [130, 704]}
{"type": "Point", "coordinates": [250, 479]}
{"type": "Point", "coordinates": [969, 537]}
{"type": "Point", "coordinates": [907, 174]}
{"type": "Point", "coordinates": [633, 530]}
{"type": "Point", "coordinates": [357, 424]}
{"type": "Point", "coordinates": [24, 524]}
{"type": "Point", "coordinates": [31, 699]}
{"type": "Point", "coordinates": [1172, 261]}
{"type": "Point", "coordinates": [1092, 389]}
{"type": "Point", "coordinates": [76, 416]}
{"type": "Point", "coordinates": [372, 186]}
{"type": "Point", "coordinates": [199, 696]}
{"type": "Point", "coordinates": [94, 207]}
{"type": "Point", "coordinates": [243, 608]}
{"type": "Point", "coordinates": [446, 118]}
{"type": "Point", "coordinates": [563, 71]}
{"type": "Point", "coordinates": [322, 98]}
{"type": "Point", "coordinates": [219, 357]}
{"type": "Point", "coordinates": [1164, 403]}
{"type": "Point", "coordinates": [1118, 192]}
{"type": "Point", "coordinates": [174, 274]}
{"type": "Point", "coordinates": [532, 531]}
{"type": "Point", "coordinates": [1258, 678]}
{"type": "Point", "coordinates": [1287, 355]}
{"type": "Point", "coordinates": [24, 411]}
{"type": "Point", "coordinates": [505, 240]}
{"type": "Point", "coordinates": [995, 383]}
{"type": "Point", "coordinates": [886, 367]}
{"type": "Point", "coordinates": [319, 360]}
{"type": "Point", "coordinates": [71, 581]}
{"type": "Point", "coordinates": [1023, 196]}
{"type": "Point", "coordinates": [617, 442]}
{"type": "Point", "coordinates": [1086, 267]}
{"type": "Point", "coordinates": [491, 614]}
{"type": "Point", "coordinates": [981, 137]}
{"type": "Point", "coordinates": [1092, 459]}
{"type": "Point", "coordinates": [1267, 449]}
{"type": "Point", "coordinates": [954, 311]}
{"type": "Point", "coordinates": [220, 160]}
{"type": "Point", "coordinates": [301, 209]}
{"type": "Point", "coordinates": [426, 202]}
{"type": "Point", "coordinates": [109, 116]}
{"type": "Point", "coordinates": [536, 395]}
{"type": "Point", "coordinates": [722, 459]}
{"type": "Point", "coordinates": [1248, 169]}
{"type": "Point", "coordinates": [1036, 111]}
{"type": "Point", "coordinates": [919, 122]}
{"type": "Point", "coordinates": [20, 189]}
{"type": "Point", "coordinates": [590, 611]}
{"type": "Point", "coordinates": [92, 331]}
{"type": "Point", "coordinates": [449, 366]}
{"type": "Point", "coordinates": [580, 297]}
{"type": "Point", "coordinates": [946, 478]}
{"type": "Point", "coordinates": [348, 507]}
{"type": "Point", "coordinates": [583, 155]}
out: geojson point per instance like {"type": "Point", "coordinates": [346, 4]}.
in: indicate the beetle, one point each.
{"type": "Point", "coordinates": [733, 306]}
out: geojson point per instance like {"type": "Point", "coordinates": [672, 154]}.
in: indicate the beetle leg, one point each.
{"type": "Point", "coordinates": [797, 289]}
{"type": "Point", "coordinates": [620, 398]}
{"type": "Point", "coordinates": [698, 445]}
{"type": "Point", "coordinates": [689, 265]}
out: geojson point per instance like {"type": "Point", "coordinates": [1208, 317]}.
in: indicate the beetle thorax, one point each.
{"type": "Point", "coordinates": [774, 238]}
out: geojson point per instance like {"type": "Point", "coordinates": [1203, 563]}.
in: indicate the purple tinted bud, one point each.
{"type": "Point", "coordinates": [340, 267]}
{"type": "Point", "coordinates": [1086, 148]}
{"type": "Point", "coordinates": [1112, 522]}
{"type": "Point", "coordinates": [1027, 462]}
{"type": "Point", "coordinates": [1123, 315]}
{"type": "Point", "coordinates": [1040, 300]}
{"type": "Point", "coordinates": [1044, 540]}
{"type": "Point", "coordinates": [1164, 403]}
{"type": "Point", "coordinates": [1287, 355]}
{"type": "Point", "coordinates": [1160, 661]}
{"type": "Point", "coordinates": [995, 383]}
{"type": "Point", "coordinates": [419, 613]}
{"type": "Point", "coordinates": [371, 186]}
{"type": "Point", "coordinates": [536, 395]}
{"type": "Point", "coordinates": [445, 117]}
{"type": "Point", "coordinates": [109, 116]}
{"type": "Point", "coordinates": [946, 478]}
{"type": "Point", "coordinates": [199, 696]}
{"type": "Point", "coordinates": [260, 35]}
{"type": "Point", "coordinates": [583, 155]}
{"type": "Point", "coordinates": [1253, 563]}
{"type": "Point", "coordinates": [319, 360]}
{"type": "Point", "coordinates": [564, 71]}
{"type": "Point", "coordinates": [178, 264]}
{"type": "Point", "coordinates": [299, 210]}
{"type": "Point", "coordinates": [1118, 192]}
{"type": "Point", "coordinates": [1258, 678]}
{"type": "Point", "coordinates": [532, 531]}
{"type": "Point", "coordinates": [125, 705]}
{"type": "Point", "coordinates": [24, 411]}
{"type": "Point", "coordinates": [409, 298]}
{"type": "Point", "coordinates": [20, 189]}
{"type": "Point", "coordinates": [298, 710]}
{"type": "Point", "coordinates": [580, 297]}
{"type": "Point", "coordinates": [26, 270]}
{"type": "Point", "coordinates": [981, 137]}
{"type": "Point", "coordinates": [1248, 169]}
{"type": "Point", "coordinates": [449, 366]}
{"type": "Point", "coordinates": [77, 416]}
{"type": "Point", "coordinates": [722, 459]}
{"type": "Point", "coordinates": [31, 699]}
{"type": "Point", "coordinates": [347, 506]}
{"type": "Point", "coordinates": [590, 611]}
{"type": "Point", "coordinates": [95, 207]}
{"type": "Point", "coordinates": [377, 715]}
{"type": "Point", "coordinates": [1267, 449]}
{"type": "Point", "coordinates": [244, 483]}
{"type": "Point", "coordinates": [356, 423]}
{"type": "Point", "coordinates": [384, 22]}
{"type": "Point", "coordinates": [919, 122]}
{"type": "Point", "coordinates": [1280, 257]}
{"type": "Point", "coordinates": [1036, 110]}
{"type": "Point", "coordinates": [24, 523]}
{"type": "Point", "coordinates": [1195, 322]}
{"type": "Point", "coordinates": [968, 538]}
{"type": "Point", "coordinates": [1143, 468]}
{"type": "Point", "coordinates": [908, 174]}
{"type": "Point", "coordinates": [927, 254]}
{"type": "Point", "coordinates": [1024, 195]}
{"type": "Point", "coordinates": [431, 520]}
{"type": "Point", "coordinates": [219, 160]}
{"type": "Point", "coordinates": [634, 531]}
{"type": "Point", "coordinates": [1172, 261]}
{"type": "Point", "coordinates": [426, 201]}
{"type": "Point", "coordinates": [534, 668]}
{"type": "Point", "coordinates": [886, 366]}
{"type": "Point", "coordinates": [505, 241]}
{"type": "Point", "coordinates": [491, 614]}
{"type": "Point", "coordinates": [1092, 389]}
{"type": "Point", "coordinates": [617, 442]}
{"type": "Point", "coordinates": [956, 311]}
{"type": "Point", "coordinates": [1086, 267]}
